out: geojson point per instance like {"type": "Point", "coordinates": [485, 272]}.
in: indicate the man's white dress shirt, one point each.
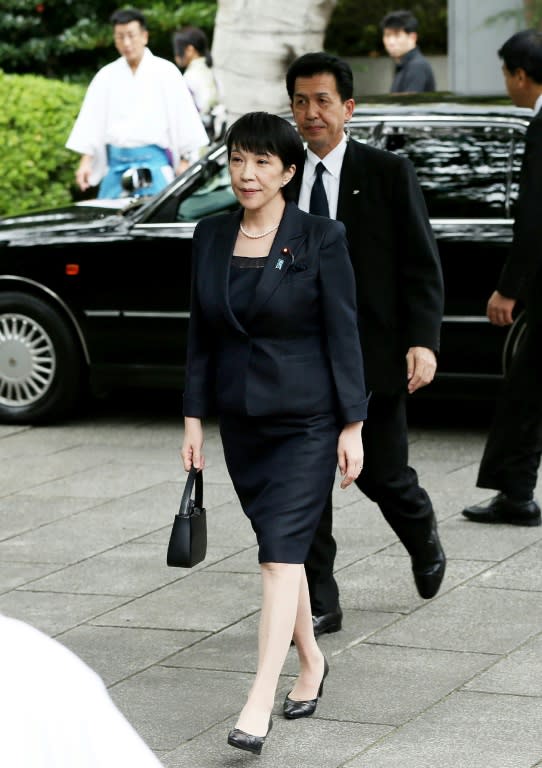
{"type": "Point", "coordinates": [333, 163]}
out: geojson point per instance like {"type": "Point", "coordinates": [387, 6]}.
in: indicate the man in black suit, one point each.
{"type": "Point", "coordinates": [514, 445]}
{"type": "Point", "coordinates": [377, 196]}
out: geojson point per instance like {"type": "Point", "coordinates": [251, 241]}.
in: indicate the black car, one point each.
{"type": "Point", "coordinates": [98, 293]}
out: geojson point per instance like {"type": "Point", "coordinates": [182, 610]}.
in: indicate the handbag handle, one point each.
{"type": "Point", "coordinates": [194, 475]}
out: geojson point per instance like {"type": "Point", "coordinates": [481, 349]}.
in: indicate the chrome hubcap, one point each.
{"type": "Point", "coordinates": [27, 360]}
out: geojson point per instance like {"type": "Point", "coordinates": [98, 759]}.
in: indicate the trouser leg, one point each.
{"type": "Point", "coordinates": [513, 447]}
{"type": "Point", "coordinates": [323, 589]}
{"type": "Point", "coordinates": [388, 481]}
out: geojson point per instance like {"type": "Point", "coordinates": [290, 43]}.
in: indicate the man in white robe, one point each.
{"type": "Point", "coordinates": [137, 113]}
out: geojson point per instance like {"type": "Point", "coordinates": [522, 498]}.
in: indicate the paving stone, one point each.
{"type": "Point", "coordinates": [517, 673]}
{"type": "Point", "coordinates": [202, 601]}
{"type": "Point", "coordinates": [390, 685]}
{"type": "Point", "coordinates": [20, 513]}
{"type": "Point", "coordinates": [520, 571]}
{"type": "Point", "coordinates": [466, 730]}
{"type": "Point", "coordinates": [384, 582]}
{"type": "Point", "coordinates": [106, 479]}
{"type": "Point", "coordinates": [309, 743]}
{"type": "Point", "coordinates": [116, 653]}
{"type": "Point", "coordinates": [54, 612]}
{"type": "Point", "coordinates": [470, 619]}
{"type": "Point", "coordinates": [86, 510]}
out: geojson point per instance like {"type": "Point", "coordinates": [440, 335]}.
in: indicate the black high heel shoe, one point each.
{"type": "Point", "coordinates": [248, 742]}
{"type": "Point", "coordinates": [294, 709]}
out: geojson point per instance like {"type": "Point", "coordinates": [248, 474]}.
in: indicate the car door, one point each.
{"type": "Point", "coordinates": [151, 268]}
{"type": "Point", "coordinates": [468, 169]}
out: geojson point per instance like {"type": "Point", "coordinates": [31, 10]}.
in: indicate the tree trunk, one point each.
{"type": "Point", "coordinates": [255, 41]}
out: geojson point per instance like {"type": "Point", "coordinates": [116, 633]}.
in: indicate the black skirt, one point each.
{"type": "Point", "coordinates": [282, 469]}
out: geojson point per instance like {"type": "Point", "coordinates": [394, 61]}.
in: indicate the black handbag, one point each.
{"type": "Point", "coordinates": [188, 539]}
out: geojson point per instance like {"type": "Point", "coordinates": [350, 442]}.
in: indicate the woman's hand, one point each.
{"type": "Point", "coordinates": [350, 453]}
{"type": "Point", "coordinates": [192, 448]}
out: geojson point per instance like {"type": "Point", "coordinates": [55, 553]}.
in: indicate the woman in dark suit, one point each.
{"type": "Point", "coordinates": [274, 350]}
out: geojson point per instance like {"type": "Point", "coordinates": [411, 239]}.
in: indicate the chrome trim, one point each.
{"type": "Point", "coordinates": [465, 319]}
{"type": "Point", "coordinates": [183, 225]}
{"type": "Point", "coordinates": [499, 222]}
{"type": "Point", "coordinates": [102, 312]}
{"type": "Point", "coordinates": [169, 315]}
{"type": "Point", "coordinates": [186, 315]}
{"type": "Point", "coordinates": [133, 313]}
{"type": "Point", "coordinates": [62, 303]}
{"type": "Point", "coordinates": [428, 118]}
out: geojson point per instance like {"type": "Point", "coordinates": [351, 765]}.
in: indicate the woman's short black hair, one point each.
{"type": "Point", "coordinates": [265, 133]}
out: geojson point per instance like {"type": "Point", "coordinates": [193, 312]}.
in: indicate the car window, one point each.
{"type": "Point", "coordinates": [214, 195]}
{"type": "Point", "coordinates": [464, 170]}
{"type": "Point", "coordinates": [516, 158]}
{"type": "Point", "coordinates": [365, 133]}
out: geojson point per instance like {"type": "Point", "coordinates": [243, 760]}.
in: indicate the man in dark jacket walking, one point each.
{"type": "Point", "coordinates": [413, 72]}
{"type": "Point", "coordinates": [377, 196]}
{"type": "Point", "coordinates": [514, 445]}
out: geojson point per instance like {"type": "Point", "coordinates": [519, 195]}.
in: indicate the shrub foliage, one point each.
{"type": "Point", "coordinates": [36, 118]}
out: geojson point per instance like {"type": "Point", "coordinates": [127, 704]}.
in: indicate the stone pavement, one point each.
{"type": "Point", "coordinates": [455, 682]}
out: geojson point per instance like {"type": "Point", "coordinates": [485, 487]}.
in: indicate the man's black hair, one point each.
{"type": "Point", "coordinates": [321, 63]}
{"type": "Point", "coordinates": [126, 15]}
{"type": "Point", "coordinates": [400, 20]}
{"type": "Point", "coordinates": [265, 133]}
{"type": "Point", "coordinates": [524, 51]}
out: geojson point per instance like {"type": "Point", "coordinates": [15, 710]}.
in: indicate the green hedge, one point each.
{"type": "Point", "coordinates": [36, 118]}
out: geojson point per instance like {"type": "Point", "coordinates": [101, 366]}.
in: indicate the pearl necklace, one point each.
{"type": "Point", "coordinates": [260, 234]}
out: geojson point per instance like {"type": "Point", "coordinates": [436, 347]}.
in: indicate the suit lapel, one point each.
{"type": "Point", "coordinates": [219, 268]}
{"type": "Point", "coordinates": [351, 185]}
{"type": "Point", "coordinates": [281, 256]}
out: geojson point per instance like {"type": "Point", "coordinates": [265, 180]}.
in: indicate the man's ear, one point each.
{"type": "Point", "coordinates": [349, 105]}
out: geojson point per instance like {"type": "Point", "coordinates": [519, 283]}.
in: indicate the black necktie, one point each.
{"type": "Point", "coordinates": [318, 204]}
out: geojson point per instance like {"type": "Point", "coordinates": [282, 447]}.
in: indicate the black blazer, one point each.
{"type": "Point", "coordinates": [400, 293]}
{"type": "Point", "coordinates": [521, 277]}
{"type": "Point", "coordinates": [298, 352]}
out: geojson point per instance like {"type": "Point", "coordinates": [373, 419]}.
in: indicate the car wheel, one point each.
{"type": "Point", "coordinates": [513, 341]}
{"type": "Point", "coordinates": [40, 361]}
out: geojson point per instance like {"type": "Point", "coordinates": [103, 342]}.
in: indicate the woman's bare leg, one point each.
{"type": "Point", "coordinates": [311, 659]}
{"type": "Point", "coordinates": [281, 589]}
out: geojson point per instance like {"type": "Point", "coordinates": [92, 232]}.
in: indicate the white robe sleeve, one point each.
{"type": "Point", "coordinates": [55, 712]}
{"type": "Point", "coordinates": [88, 133]}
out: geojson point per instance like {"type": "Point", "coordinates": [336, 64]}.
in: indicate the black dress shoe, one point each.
{"type": "Point", "coordinates": [248, 742]}
{"type": "Point", "coordinates": [327, 622]}
{"type": "Point", "coordinates": [429, 565]}
{"type": "Point", "coordinates": [294, 709]}
{"type": "Point", "coordinates": [502, 509]}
